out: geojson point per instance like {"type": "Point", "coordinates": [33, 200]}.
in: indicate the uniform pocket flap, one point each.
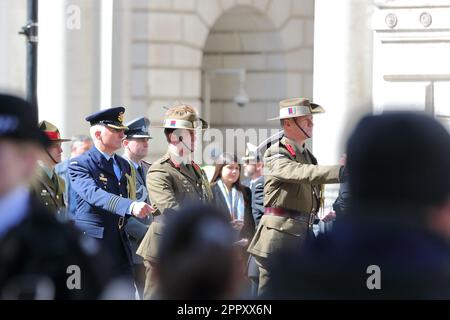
{"type": "Point", "coordinates": [158, 228]}
{"type": "Point", "coordinates": [286, 225]}
{"type": "Point", "coordinates": [90, 229]}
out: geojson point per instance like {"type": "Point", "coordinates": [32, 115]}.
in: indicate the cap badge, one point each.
{"type": "Point", "coordinates": [120, 117]}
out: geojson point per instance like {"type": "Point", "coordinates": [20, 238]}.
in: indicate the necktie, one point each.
{"type": "Point", "coordinates": [115, 166]}
{"type": "Point", "coordinates": [55, 181]}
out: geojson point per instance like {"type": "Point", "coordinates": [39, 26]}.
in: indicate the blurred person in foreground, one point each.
{"type": "Point", "coordinates": [80, 144]}
{"type": "Point", "coordinates": [198, 257]}
{"type": "Point", "coordinates": [39, 256]}
{"type": "Point", "coordinates": [394, 243]}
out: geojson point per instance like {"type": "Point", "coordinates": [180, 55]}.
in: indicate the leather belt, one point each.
{"type": "Point", "coordinates": [297, 215]}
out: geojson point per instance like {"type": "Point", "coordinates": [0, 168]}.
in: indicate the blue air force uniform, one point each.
{"type": "Point", "coordinates": [101, 187]}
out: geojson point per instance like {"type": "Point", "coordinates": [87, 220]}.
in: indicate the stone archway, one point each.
{"type": "Point", "coordinates": [243, 39]}
{"type": "Point", "coordinates": [169, 41]}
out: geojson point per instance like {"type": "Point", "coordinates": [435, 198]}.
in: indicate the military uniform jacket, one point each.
{"type": "Point", "coordinates": [169, 186]}
{"type": "Point", "coordinates": [102, 200]}
{"type": "Point", "coordinates": [49, 192]}
{"type": "Point", "coordinates": [292, 181]}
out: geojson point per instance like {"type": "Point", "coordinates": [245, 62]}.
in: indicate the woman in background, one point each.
{"type": "Point", "coordinates": [232, 197]}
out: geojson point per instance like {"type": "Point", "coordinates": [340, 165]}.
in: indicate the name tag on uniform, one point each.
{"type": "Point", "coordinates": [44, 193]}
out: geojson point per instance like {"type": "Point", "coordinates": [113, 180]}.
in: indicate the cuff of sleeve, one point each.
{"type": "Point", "coordinates": [130, 208]}
{"type": "Point", "coordinates": [119, 205]}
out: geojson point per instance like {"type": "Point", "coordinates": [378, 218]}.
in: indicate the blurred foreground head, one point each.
{"type": "Point", "coordinates": [197, 258]}
{"type": "Point", "coordinates": [20, 142]}
{"type": "Point", "coordinates": [399, 160]}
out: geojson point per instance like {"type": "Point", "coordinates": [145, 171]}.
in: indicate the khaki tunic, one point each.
{"type": "Point", "coordinates": [49, 193]}
{"type": "Point", "coordinates": [292, 181]}
{"type": "Point", "coordinates": [169, 186]}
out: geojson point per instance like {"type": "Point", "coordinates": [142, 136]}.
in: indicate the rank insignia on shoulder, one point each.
{"type": "Point", "coordinates": [290, 149]}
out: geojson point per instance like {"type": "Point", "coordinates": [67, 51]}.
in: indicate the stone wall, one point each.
{"type": "Point", "coordinates": [411, 57]}
{"type": "Point", "coordinates": [173, 42]}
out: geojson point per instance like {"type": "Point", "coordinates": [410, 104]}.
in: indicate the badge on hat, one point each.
{"type": "Point", "coordinates": [112, 117]}
{"type": "Point", "coordinates": [297, 107]}
{"type": "Point", "coordinates": [138, 128]}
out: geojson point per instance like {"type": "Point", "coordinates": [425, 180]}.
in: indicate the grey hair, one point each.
{"type": "Point", "coordinates": [94, 129]}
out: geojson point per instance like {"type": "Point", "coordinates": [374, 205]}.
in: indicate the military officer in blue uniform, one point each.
{"type": "Point", "coordinates": [102, 182]}
{"type": "Point", "coordinates": [135, 145]}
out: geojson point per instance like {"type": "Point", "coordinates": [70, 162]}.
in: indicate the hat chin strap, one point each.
{"type": "Point", "coordinates": [50, 156]}
{"type": "Point", "coordinates": [181, 140]}
{"type": "Point", "coordinates": [307, 135]}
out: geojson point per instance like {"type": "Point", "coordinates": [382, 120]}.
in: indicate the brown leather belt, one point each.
{"type": "Point", "coordinates": [297, 215]}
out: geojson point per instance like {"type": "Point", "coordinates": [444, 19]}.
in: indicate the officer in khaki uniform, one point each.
{"type": "Point", "coordinates": [171, 181]}
{"type": "Point", "coordinates": [47, 186]}
{"type": "Point", "coordinates": [292, 188]}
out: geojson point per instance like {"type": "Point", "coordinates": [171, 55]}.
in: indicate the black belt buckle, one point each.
{"type": "Point", "coordinates": [121, 222]}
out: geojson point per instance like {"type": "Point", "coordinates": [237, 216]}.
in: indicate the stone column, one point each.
{"type": "Point", "coordinates": [342, 75]}
{"type": "Point", "coordinates": [69, 63]}
{"type": "Point", "coordinates": [13, 16]}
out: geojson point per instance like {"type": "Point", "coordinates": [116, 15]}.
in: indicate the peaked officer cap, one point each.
{"type": "Point", "coordinates": [112, 117]}
{"type": "Point", "coordinates": [138, 128]}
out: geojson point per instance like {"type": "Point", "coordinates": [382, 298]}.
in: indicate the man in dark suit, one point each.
{"type": "Point", "coordinates": [253, 169]}
{"type": "Point", "coordinates": [102, 181]}
{"type": "Point", "coordinates": [39, 256]}
{"type": "Point", "coordinates": [135, 147]}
